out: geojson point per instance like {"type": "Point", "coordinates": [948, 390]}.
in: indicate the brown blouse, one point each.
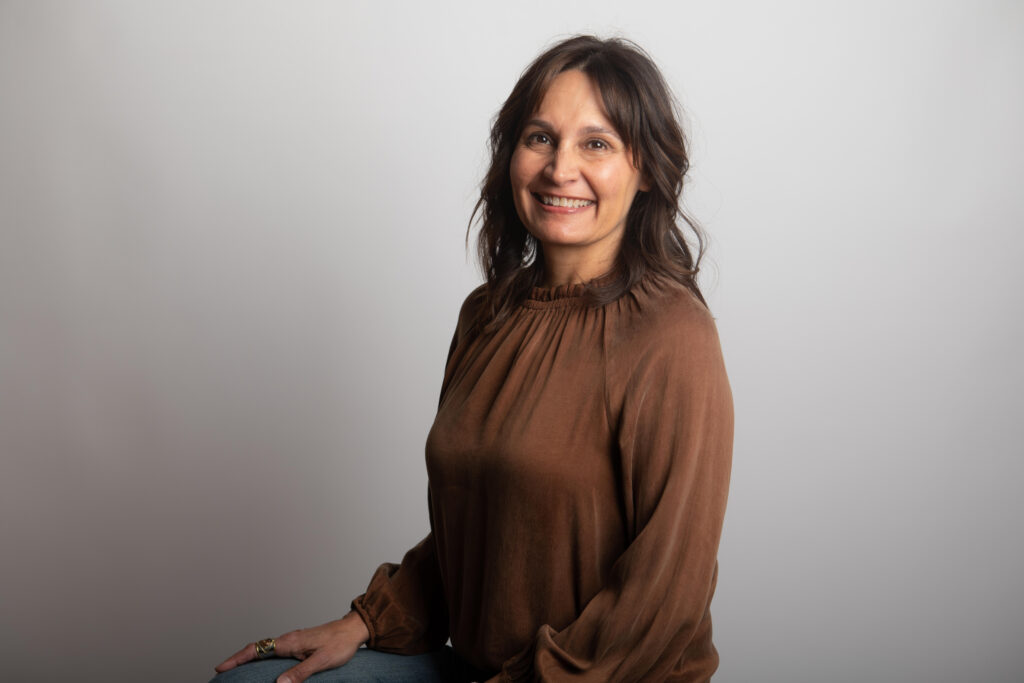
{"type": "Point", "coordinates": [579, 467]}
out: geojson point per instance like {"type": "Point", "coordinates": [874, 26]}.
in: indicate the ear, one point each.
{"type": "Point", "coordinates": [645, 183]}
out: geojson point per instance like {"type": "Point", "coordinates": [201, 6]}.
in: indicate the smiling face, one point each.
{"type": "Point", "coordinates": [573, 178]}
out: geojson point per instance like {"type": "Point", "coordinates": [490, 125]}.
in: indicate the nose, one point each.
{"type": "Point", "coordinates": [563, 166]}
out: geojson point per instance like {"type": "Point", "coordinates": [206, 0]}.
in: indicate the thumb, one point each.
{"type": "Point", "coordinates": [316, 662]}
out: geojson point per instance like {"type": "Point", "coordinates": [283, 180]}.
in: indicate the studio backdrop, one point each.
{"type": "Point", "coordinates": [233, 250]}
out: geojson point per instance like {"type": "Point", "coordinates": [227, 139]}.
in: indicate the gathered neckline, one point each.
{"type": "Point", "coordinates": [571, 291]}
{"type": "Point", "coordinates": [564, 295]}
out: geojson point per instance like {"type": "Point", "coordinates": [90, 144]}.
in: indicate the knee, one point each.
{"type": "Point", "coordinates": [265, 671]}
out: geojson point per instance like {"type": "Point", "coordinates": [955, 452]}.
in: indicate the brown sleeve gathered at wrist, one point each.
{"type": "Point", "coordinates": [519, 669]}
{"type": "Point", "coordinates": [364, 614]}
{"type": "Point", "coordinates": [404, 607]}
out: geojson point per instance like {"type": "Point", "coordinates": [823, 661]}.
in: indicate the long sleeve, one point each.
{"type": "Point", "coordinates": [404, 607]}
{"type": "Point", "coordinates": [670, 405]}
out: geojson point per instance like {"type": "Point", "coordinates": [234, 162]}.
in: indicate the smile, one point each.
{"type": "Point", "coordinates": [565, 202]}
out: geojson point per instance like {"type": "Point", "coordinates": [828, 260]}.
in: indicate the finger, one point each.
{"type": "Point", "coordinates": [244, 655]}
{"type": "Point", "coordinates": [317, 662]}
{"type": "Point", "coordinates": [298, 644]}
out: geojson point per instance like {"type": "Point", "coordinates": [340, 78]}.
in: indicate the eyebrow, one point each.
{"type": "Point", "coordinates": [587, 130]}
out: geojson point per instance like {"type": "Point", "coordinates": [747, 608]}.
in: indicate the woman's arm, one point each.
{"type": "Point", "coordinates": [404, 606]}
{"type": "Point", "coordinates": [403, 609]}
{"type": "Point", "coordinates": [674, 433]}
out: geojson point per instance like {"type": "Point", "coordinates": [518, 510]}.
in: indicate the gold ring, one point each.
{"type": "Point", "coordinates": [265, 648]}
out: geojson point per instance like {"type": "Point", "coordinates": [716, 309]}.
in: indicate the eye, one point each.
{"type": "Point", "coordinates": [538, 139]}
{"type": "Point", "coordinates": [597, 144]}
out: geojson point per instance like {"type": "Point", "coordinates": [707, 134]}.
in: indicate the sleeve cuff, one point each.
{"type": "Point", "coordinates": [519, 668]}
{"type": "Point", "coordinates": [360, 609]}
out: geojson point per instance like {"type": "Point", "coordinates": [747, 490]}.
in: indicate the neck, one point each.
{"type": "Point", "coordinates": [566, 268]}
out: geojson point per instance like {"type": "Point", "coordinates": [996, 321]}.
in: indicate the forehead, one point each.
{"type": "Point", "coordinates": [571, 96]}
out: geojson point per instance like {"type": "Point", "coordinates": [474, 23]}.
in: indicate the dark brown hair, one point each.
{"type": "Point", "coordinates": [640, 105]}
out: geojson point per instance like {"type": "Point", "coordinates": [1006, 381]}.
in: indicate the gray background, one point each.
{"type": "Point", "coordinates": [231, 257]}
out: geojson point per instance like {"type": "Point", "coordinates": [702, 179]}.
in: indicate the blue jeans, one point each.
{"type": "Point", "coordinates": [367, 666]}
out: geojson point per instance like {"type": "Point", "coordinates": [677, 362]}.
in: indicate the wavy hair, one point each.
{"type": "Point", "coordinates": [640, 105]}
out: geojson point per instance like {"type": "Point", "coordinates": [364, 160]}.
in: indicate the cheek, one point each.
{"type": "Point", "coordinates": [518, 181]}
{"type": "Point", "coordinates": [518, 173]}
{"type": "Point", "coordinates": [622, 183]}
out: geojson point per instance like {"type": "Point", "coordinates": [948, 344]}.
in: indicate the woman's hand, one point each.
{"type": "Point", "coordinates": [322, 647]}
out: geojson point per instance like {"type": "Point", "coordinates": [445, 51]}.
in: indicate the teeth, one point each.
{"type": "Point", "coordinates": [564, 201]}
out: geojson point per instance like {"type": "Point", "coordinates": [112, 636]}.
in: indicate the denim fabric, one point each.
{"type": "Point", "coordinates": [367, 666]}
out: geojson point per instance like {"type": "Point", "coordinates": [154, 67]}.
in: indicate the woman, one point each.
{"type": "Point", "coordinates": [580, 457]}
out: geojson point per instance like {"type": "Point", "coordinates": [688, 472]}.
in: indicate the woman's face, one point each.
{"type": "Point", "coordinates": [573, 178]}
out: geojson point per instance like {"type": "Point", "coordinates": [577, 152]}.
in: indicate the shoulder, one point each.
{"type": "Point", "coordinates": [664, 343]}
{"type": "Point", "coordinates": [469, 309]}
{"type": "Point", "coordinates": [467, 317]}
{"type": "Point", "coordinates": [661, 315]}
